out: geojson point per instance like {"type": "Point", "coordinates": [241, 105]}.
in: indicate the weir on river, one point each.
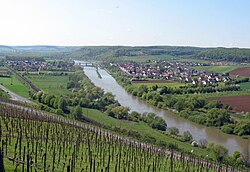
{"type": "Point", "coordinates": [108, 83]}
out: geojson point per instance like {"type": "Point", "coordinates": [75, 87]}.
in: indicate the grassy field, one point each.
{"type": "Point", "coordinates": [166, 57]}
{"type": "Point", "coordinates": [245, 85]}
{"type": "Point", "coordinates": [141, 128]}
{"type": "Point", "coordinates": [217, 69]}
{"type": "Point", "coordinates": [2, 67]}
{"type": "Point", "coordinates": [51, 84]}
{"type": "Point", "coordinates": [17, 86]}
{"type": "Point", "coordinates": [138, 59]}
{"type": "Point", "coordinates": [4, 94]}
{"type": "Point", "coordinates": [168, 84]}
{"type": "Point", "coordinates": [191, 60]}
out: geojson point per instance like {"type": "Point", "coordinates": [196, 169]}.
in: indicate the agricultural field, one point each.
{"type": "Point", "coordinates": [245, 85]}
{"type": "Point", "coordinates": [217, 69]}
{"type": "Point", "coordinates": [237, 103]}
{"type": "Point", "coordinates": [15, 85]}
{"type": "Point", "coordinates": [32, 141]}
{"type": "Point", "coordinates": [51, 84]}
{"type": "Point", "coordinates": [241, 71]}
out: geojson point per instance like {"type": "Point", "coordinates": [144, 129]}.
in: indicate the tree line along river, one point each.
{"type": "Point", "coordinates": [109, 84]}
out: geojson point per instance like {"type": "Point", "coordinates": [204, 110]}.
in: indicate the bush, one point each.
{"type": "Point", "coordinates": [159, 124]}
{"type": "Point", "coordinates": [203, 143]}
{"type": "Point", "coordinates": [198, 119]}
{"type": "Point", "coordinates": [173, 130]}
{"type": "Point", "coordinates": [229, 128]}
{"type": "Point", "coordinates": [59, 112]}
{"type": "Point", "coordinates": [187, 136]}
{"type": "Point", "coordinates": [149, 139]}
{"type": "Point", "coordinates": [172, 146]}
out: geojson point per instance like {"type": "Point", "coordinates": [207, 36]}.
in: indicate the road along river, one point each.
{"type": "Point", "coordinates": [108, 83]}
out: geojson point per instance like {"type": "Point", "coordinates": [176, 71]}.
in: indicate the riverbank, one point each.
{"type": "Point", "coordinates": [55, 122]}
{"type": "Point", "coordinates": [199, 132]}
{"type": "Point", "coordinates": [143, 132]}
{"type": "Point", "coordinates": [195, 108]}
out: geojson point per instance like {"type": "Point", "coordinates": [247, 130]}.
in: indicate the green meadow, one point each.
{"type": "Point", "coordinates": [217, 69]}
{"type": "Point", "coordinates": [245, 85]}
{"type": "Point", "coordinates": [51, 84]}
{"type": "Point", "coordinates": [141, 128]}
{"type": "Point", "coordinates": [168, 84]}
{"type": "Point", "coordinates": [139, 59]}
{"type": "Point", "coordinates": [15, 85]}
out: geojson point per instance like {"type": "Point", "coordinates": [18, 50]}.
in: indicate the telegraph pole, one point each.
{"type": "Point", "coordinates": [11, 81]}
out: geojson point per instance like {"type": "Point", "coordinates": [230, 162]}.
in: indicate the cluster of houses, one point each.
{"type": "Point", "coordinates": [208, 79]}
{"type": "Point", "coordinates": [35, 66]}
{"type": "Point", "coordinates": [175, 71]}
{"type": "Point", "coordinates": [4, 73]}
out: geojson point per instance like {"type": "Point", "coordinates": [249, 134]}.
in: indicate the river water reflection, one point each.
{"type": "Point", "coordinates": [108, 83]}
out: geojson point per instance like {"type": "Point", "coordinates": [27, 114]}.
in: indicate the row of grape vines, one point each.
{"type": "Point", "coordinates": [35, 141]}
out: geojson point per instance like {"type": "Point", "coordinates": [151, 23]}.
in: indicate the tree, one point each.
{"type": "Point", "coordinates": [179, 105]}
{"type": "Point", "coordinates": [187, 136]}
{"type": "Point", "coordinates": [39, 95]}
{"type": "Point", "coordinates": [2, 169]}
{"type": "Point", "coordinates": [243, 128]}
{"type": "Point", "coordinates": [154, 87]}
{"type": "Point", "coordinates": [120, 112]}
{"type": "Point", "coordinates": [48, 99]}
{"type": "Point", "coordinates": [217, 117]}
{"type": "Point", "coordinates": [84, 102]}
{"type": "Point", "coordinates": [62, 104]}
{"type": "Point", "coordinates": [219, 152]}
{"type": "Point", "coordinates": [229, 128]}
{"type": "Point", "coordinates": [236, 159]}
{"type": "Point", "coordinates": [203, 143]}
{"type": "Point", "coordinates": [213, 104]}
{"type": "Point", "coordinates": [77, 112]}
{"type": "Point", "coordinates": [134, 116]}
{"type": "Point", "coordinates": [159, 124]}
{"type": "Point", "coordinates": [173, 130]}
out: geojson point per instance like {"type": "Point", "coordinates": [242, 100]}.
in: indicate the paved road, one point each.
{"type": "Point", "coordinates": [15, 96]}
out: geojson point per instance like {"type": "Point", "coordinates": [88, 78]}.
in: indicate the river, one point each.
{"type": "Point", "coordinates": [109, 84]}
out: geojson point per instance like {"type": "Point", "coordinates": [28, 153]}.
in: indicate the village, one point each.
{"type": "Point", "coordinates": [173, 71]}
{"type": "Point", "coordinates": [36, 66]}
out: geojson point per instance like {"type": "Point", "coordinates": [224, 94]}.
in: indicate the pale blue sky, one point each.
{"type": "Point", "coordinates": [125, 22]}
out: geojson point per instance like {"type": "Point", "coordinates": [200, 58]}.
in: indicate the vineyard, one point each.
{"type": "Point", "coordinates": [34, 141]}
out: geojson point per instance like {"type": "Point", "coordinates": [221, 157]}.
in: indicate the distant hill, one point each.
{"type": "Point", "coordinates": [227, 54]}
{"type": "Point", "coordinates": [6, 49]}
{"type": "Point", "coordinates": [220, 54]}
{"type": "Point", "coordinates": [42, 48]}
{"type": "Point", "coordinates": [98, 52]}
{"type": "Point", "coordinates": [103, 52]}
{"type": "Point", "coordinates": [36, 51]}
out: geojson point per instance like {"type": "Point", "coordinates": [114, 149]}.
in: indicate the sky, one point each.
{"type": "Point", "coordinates": [203, 23]}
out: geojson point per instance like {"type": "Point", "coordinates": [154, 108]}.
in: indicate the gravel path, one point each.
{"type": "Point", "coordinates": [14, 96]}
